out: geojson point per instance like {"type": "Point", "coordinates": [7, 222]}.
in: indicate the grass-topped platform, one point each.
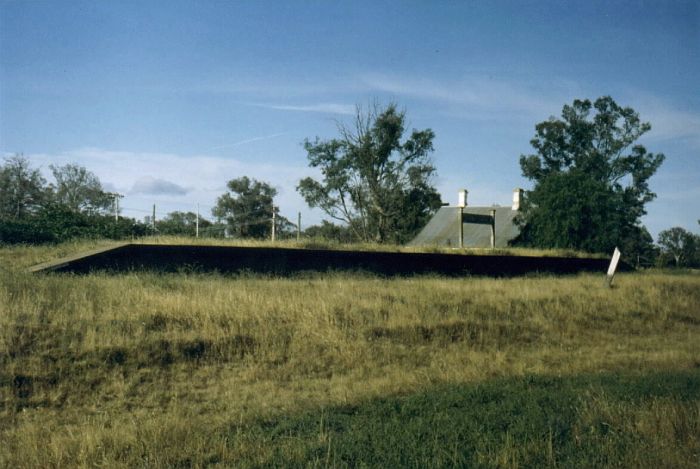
{"type": "Point", "coordinates": [174, 255]}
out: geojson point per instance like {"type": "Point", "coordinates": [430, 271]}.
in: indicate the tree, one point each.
{"type": "Point", "coordinates": [329, 232]}
{"type": "Point", "coordinates": [641, 248]}
{"type": "Point", "coordinates": [32, 212]}
{"type": "Point", "coordinates": [181, 223]}
{"type": "Point", "coordinates": [79, 189]}
{"type": "Point", "coordinates": [56, 223]}
{"type": "Point", "coordinates": [377, 185]}
{"type": "Point", "coordinates": [680, 244]}
{"type": "Point", "coordinates": [22, 189]}
{"type": "Point", "coordinates": [247, 207]}
{"type": "Point", "coordinates": [590, 179]}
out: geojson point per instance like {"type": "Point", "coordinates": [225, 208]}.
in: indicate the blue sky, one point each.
{"type": "Point", "coordinates": [167, 100]}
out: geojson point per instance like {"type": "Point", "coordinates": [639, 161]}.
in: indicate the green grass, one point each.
{"type": "Point", "coordinates": [26, 255]}
{"type": "Point", "coordinates": [346, 370]}
{"type": "Point", "coordinates": [531, 421]}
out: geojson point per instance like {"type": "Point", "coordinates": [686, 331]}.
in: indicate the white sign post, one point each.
{"type": "Point", "coordinates": [613, 266]}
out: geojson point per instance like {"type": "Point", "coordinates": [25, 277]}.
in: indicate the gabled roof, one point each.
{"type": "Point", "coordinates": [443, 228]}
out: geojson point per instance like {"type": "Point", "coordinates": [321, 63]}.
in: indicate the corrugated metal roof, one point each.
{"type": "Point", "coordinates": [443, 228]}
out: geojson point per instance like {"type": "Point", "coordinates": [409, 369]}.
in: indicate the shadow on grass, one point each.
{"type": "Point", "coordinates": [583, 421]}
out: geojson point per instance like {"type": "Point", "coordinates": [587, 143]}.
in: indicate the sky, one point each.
{"type": "Point", "coordinates": [166, 101]}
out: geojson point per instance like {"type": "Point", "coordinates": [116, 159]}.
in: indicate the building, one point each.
{"type": "Point", "coordinates": [478, 224]}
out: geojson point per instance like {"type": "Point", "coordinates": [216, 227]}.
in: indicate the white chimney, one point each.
{"type": "Point", "coordinates": [517, 197]}
{"type": "Point", "coordinates": [462, 198]}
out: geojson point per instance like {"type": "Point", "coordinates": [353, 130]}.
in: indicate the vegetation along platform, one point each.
{"type": "Point", "coordinates": [287, 261]}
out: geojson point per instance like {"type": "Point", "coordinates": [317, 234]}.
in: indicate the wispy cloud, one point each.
{"type": "Point", "coordinates": [271, 88]}
{"type": "Point", "coordinates": [249, 140]}
{"type": "Point", "coordinates": [484, 98]}
{"type": "Point", "coordinates": [667, 121]}
{"type": "Point", "coordinates": [326, 108]}
{"type": "Point", "coordinates": [478, 97]}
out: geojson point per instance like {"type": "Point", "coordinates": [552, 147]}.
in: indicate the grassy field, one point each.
{"type": "Point", "coordinates": [346, 370]}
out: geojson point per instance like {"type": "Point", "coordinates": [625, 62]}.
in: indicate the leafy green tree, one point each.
{"type": "Point", "coordinates": [247, 207]}
{"type": "Point", "coordinates": [590, 179]}
{"type": "Point", "coordinates": [79, 189]}
{"type": "Point", "coordinates": [213, 230]}
{"type": "Point", "coordinates": [329, 232]}
{"type": "Point", "coordinates": [181, 223]}
{"type": "Point", "coordinates": [641, 248]}
{"type": "Point", "coordinates": [33, 212]}
{"type": "Point", "coordinates": [22, 189]}
{"type": "Point", "coordinates": [56, 223]}
{"type": "Point", "coordinates": [681, 245]}
{"type": "Point", "coordinates": [372, 181]}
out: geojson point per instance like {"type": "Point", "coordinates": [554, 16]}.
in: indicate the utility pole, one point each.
{"type": "Point", "coordinates": [299, 227]}
{"type": "Point", "coordinates": [196, 235]}
{"type": "Point", "coordinates": [273, 223]}
{"type": "Point", "coordinates": [153, 219]}
{"type": "Point", "coordinates": [115, 204]}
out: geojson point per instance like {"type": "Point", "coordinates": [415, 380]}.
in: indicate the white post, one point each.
{"type": "Point", "coordinates": [613, 266]}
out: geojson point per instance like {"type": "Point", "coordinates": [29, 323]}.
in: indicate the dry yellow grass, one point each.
{"type": "Point", "coordinates": [147, 369]}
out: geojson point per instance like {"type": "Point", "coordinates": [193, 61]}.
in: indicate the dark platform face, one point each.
{"type": "Point", "coordinates": [281, 261]}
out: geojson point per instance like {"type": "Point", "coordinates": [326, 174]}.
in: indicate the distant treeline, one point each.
{"type": "Point", "coordinates": [590, 187]}
{"type": "Point", "coordinates": [75, 205]}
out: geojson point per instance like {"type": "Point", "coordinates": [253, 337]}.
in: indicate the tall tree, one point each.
{"type": "Point", "coordinates": [247, 207]}
{"type": "Point", "coordinates": [22, 188]}
{"type": "Point", "coordinates": [681, 245]}
{"type": "Point", "coordinates": [371, 180]}
{"type": "Point", "coordinates": [79, 189]}
{"type": "Point", "coordinates": [590, 178]}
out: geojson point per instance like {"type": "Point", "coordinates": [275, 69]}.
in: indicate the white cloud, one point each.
{"type": "Point", "coordinates": [249, 140]}
{"type": "Point", "coordinates": [483, 98]}
{"type": "Point", "coordinates": [667, 121]}
{"type": "Point", "coordinates": [479, 97]}
{"type": "Point", "coordinates": [326, 108]}
{"type": "Point", "coordinates": [180, 182]}
{"type": "Point", "coordinates": [271, 87]}
{"type": "Point", "coordinates": [149, 185]}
